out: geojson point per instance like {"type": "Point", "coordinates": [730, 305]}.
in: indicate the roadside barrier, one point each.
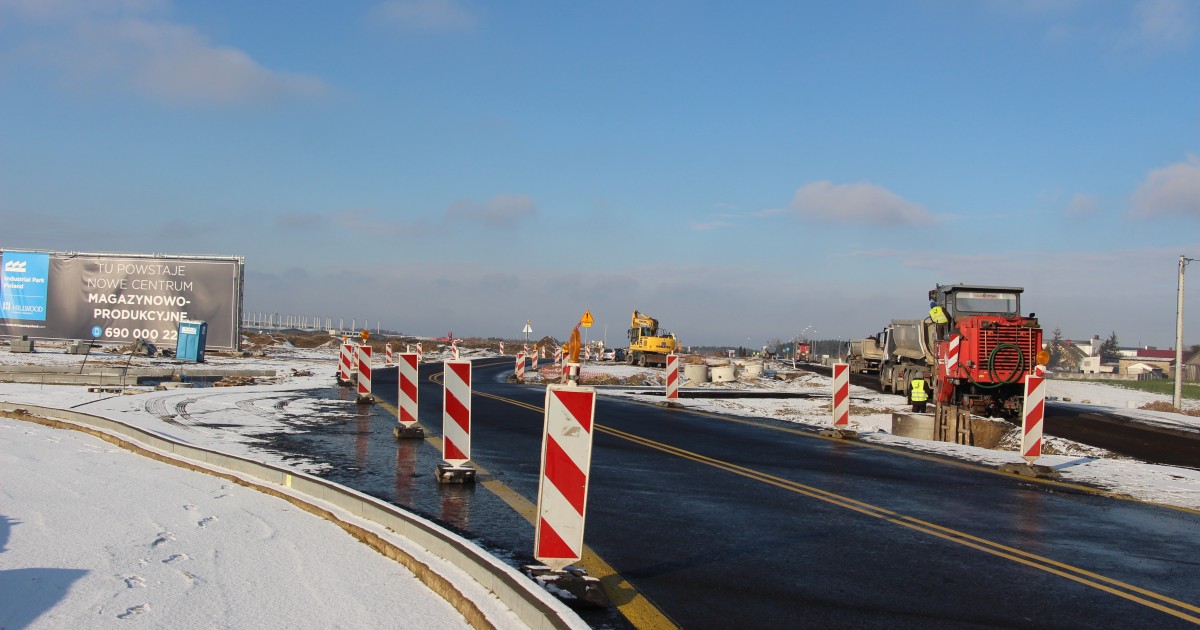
{"type": "Point", "coordinates": [344, 362]}
{"type": "Point", "coordinates": [456, 424]}
{"type": "Point", "coordinates": [364, 375]}
{"type": "Point", "coordinates": [387, 354]}
{"type": "Point", "coordinates": [1033, 413]}
{"type": "Point", "coordinates": [841, 395]}
{"type": "Point", "coordinates": [672, 378]}
{"type": "Point", "coordinates": [407, 409]}
{"type": "Point", "coordinates": [519, 368]}
{"type": "Point", "coordinates": [563, 484]}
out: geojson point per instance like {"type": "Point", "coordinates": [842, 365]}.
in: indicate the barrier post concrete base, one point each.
{"type": "Point", "coordinates": [455, 474]}
{"type": "Point", "coordinates": [415, 432]}
{"type": "Point", "coordinates": [572, 585]}
{"type": "Point", "coordinates": [366, 399]}
{"type": "Point", "coordinates": [1036, 471]}
{"type": "Point", "coordinates": [841, 434]}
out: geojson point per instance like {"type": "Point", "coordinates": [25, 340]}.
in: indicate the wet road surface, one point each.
{"type": "Point", "coordinates": [722, 522]}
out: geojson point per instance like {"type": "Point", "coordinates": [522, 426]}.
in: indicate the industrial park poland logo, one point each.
{"type": "Point", "coordinates": [23, 287]}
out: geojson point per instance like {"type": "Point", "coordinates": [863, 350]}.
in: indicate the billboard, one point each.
{"type": "Point", "coordinates": [119, 298]}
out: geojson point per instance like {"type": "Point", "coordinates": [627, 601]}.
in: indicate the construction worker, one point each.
{"type": "Point", "coordinates": [917, 395]}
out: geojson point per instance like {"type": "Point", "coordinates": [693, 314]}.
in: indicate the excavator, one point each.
{"type": "Point", "coordinates": [647, 344]}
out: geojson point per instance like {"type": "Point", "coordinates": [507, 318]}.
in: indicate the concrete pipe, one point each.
{"type": "Point", "coordinates": [752, 369]}
{"type": "Point", "coordinates": [723, 373]}
{"type": "Point", "coordinates": [695, 373]}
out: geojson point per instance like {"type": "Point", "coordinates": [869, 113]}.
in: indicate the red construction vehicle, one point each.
{"type": "Point", "coordinates": [974, 349]}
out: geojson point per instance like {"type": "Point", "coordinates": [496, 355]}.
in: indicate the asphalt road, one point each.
{"type": "Point", "coordinates": [714, 522]}
{"type": "Point", "coordinates": [1095, 427]}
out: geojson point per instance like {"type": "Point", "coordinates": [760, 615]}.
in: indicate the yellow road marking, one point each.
{"type": "Point", "coordinates": [1048, 565]}
{"type": "Point", "coordinates": [629, 602]}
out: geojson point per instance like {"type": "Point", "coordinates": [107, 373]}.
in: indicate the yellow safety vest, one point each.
{"type": "Point", "coordinates": [918, 393]}
{"type": "Point", "coordinates": [938, 315]}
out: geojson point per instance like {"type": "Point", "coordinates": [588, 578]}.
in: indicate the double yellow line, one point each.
{"type": "Point", "coordinates": [1156, 601]}
{"type": "Point", "coordinates": [1133, 593]}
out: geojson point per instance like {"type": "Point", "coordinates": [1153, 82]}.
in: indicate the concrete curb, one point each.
{"type": "Point", "coordinates": [528, 601]}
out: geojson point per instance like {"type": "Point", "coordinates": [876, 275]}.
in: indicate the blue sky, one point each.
{"type": "Point", "coordinates": [742, 171]}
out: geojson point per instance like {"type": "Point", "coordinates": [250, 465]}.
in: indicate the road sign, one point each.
{"type": "Point", "coordinates": [587, 320]}
{"type": "Point", "coordinates": [527, 329]}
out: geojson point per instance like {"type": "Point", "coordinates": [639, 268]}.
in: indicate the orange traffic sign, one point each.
{"type": "Point", "coordinates": [587, 319]}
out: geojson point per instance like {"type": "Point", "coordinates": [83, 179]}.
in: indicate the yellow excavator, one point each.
{"type": "Point", "coordinates": [647, 344]}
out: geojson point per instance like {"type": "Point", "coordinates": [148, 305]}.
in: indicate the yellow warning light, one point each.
{"type": "Point", "coordinates": [1043, 357]}
{"type": "Point", "coordinates": [364, 334]}
{"type": "Point", "coordinates": [573, 352]}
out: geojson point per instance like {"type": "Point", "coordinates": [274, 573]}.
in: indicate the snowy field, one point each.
{"type": "Point", "coordinates": [93, 536]}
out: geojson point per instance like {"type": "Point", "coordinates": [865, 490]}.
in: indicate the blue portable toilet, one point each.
{"type": "Point", "coordinates": [189, 343]}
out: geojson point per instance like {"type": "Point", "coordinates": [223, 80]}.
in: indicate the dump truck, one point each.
{"type": "Point", "coordinates": [974, 350]}
{"type": "Point", "coordinates": [864, 355]}
{"type": "Point", "coordinates": [647, 344]}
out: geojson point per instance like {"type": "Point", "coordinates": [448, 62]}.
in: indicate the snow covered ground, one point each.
{"type": "Point", "coordinates": [92, 535]}
{"type": "Point", "coordinates": [81, 514]}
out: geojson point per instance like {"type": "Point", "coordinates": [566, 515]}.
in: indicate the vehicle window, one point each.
{"type": "Point", "coordinates": [984, 302]}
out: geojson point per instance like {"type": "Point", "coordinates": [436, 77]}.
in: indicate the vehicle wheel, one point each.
{"type": "Point", "coordinates": [641, 360]}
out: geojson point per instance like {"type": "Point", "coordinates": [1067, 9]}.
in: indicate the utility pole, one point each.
{"type": "Point", "coordinates": [1178, 400]}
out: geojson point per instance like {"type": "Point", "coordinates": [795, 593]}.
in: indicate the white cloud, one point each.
{"type": "Point", "coordinates": [435, 15]}
{"type": "Point", "coordinates": [499, 211]}
{"type": "Point", "coordinates": [1173, 189]}
{"type": "Point", "coordinates": [174, 64]}
{"type": "Point", "coordinates": [367, 222]}
{"type": "Point", "coordinates": [706, 226]}
{"type": "Point", "coordinates": [1082, 205]}
{"type": "Point", "coordinates": [113, 44]}
{"type": "Point", "coordinates": [856, 203]}
{"type": "Point", "coordinates": [1163, 24]}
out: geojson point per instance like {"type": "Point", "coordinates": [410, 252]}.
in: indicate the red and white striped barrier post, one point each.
{"type": "Point", "coordinates": [841, 396]}
{"type": "Point", "coordinates": [388, 359]}
{"type": "Point", "coordinates": [364, 375]}
{"type": "Point", "coordinates": [420, 354]}
{"type": "Point", "coordinates": [519, 368]}
{"type": "Point", "coordinates": [672, 378]}
{"type": "Point", "coordinates": [1034, 412]}
{"type": "Point", "coordinates": [456, 424]}
{"type": "Point", "coordinates": [563, 485]}
{"type": "Point", "coordinates": [563, 490]}
{"type": "Point", "coordinates": [344, 364]}
{"type": "Point", "coordinates": [454, 349]}
{"type": "Point", "coordinates": [502, 348]}
{"type": "Point", "coordinates": [557, 357]}
{"type": "Point", "coordinates": [533, 365]}
{"type": "Point", "coordinates": [406, 408]}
